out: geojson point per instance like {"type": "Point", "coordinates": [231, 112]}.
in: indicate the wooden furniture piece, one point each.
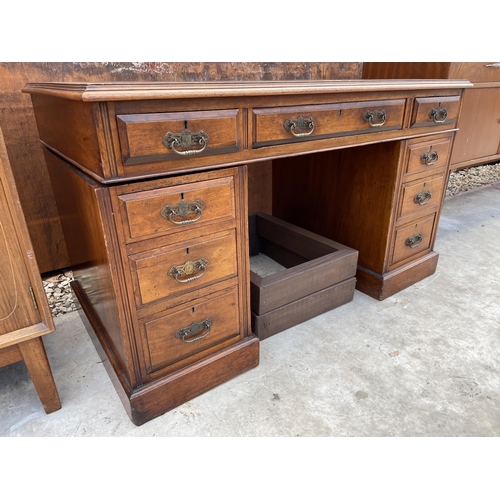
{"type": "Point", "coordinates": [18, 122]}
{"type": "Point", "coordinates": [319, 275]}
{"type": "Point", "coordinates": [151, 184]}
{"type": "Point", "coordinates": [477, 141]}
{"type": "Point", "coordinates": [24, 311]}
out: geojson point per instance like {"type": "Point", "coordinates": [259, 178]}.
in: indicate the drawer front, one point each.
{"type": "Point", "coordinates": [158, 212]}
{"type": "Point", "coordinates": [413, 239]}
{"type": "Point", "coordinates": [290, 124]}
{"type": "Point", "coordinates": [434, 111]}
{"type": "Point", "coordinates": [151, 137]}
{"type": "Point", "coordinates": [190, 333]}
{"type": "Point", "coordinates": [178, 269]}
{"type": "Point", "coordinates": [421, 196]}
{"type": "Point", "coordinates": [428, 156]}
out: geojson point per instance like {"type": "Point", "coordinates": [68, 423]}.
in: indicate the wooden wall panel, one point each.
{"type": "Point", "coordinates": [21, 137]}
{"type": "Point", "coordinates": [418, 70]}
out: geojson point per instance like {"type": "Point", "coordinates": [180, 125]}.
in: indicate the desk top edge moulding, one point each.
{"type": "Point", "coordinates": [153, 186]}
{"type": "Point", "coordinates": [102, 91]}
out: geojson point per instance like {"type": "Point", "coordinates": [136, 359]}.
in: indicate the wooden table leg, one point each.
{"type": "Point", "coordinates": [37, 363]}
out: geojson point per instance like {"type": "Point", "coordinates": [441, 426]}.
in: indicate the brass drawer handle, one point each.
{"type": "Point", "coordinates": [182, 210]}
{"type": "Point", "coordinates": [438, 115]}
{"type": "Point", "coordinates": [186, 140]}
{"type": "Point", "coordinates": [295, 127]}
{"type": "Point", "coordinates": [375, 118]}
{"type": "Point", "coordinates": [187, 269]}
{"type": "Point", "coordinates": [414, 240]}
{"type": "Point", "coordinates": [429, 158]}
{"type": "Point", "coordinates": [422, 198]}
{"type": "Point", "coordinates": [186, 334]}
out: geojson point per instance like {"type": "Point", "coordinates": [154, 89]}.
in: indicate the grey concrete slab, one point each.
{"type": "Point", "coordinates": [421, 363]}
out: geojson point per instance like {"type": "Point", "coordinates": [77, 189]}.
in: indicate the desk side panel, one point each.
{"type": "Point", "coordinates": [71, 129]}
{"type": "Point", "coordinates": [83, 210]}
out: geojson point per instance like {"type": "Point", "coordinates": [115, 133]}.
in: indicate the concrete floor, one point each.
{"type": "Point", "coordinates": [424, 362]}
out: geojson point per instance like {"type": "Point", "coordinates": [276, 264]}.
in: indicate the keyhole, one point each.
{"type": "Point", "coordinates": [185, 124]}
{"type": "Point", "coordinates": [425, 184]}
{"type": "Point", "coordinates": [187, 250]}
{"type": "Point", "coordinates": [182, 196]}
{"type": "Point", "coordinates": [192, 310]}
{"type": "Point", "coordinates": [340, 112]}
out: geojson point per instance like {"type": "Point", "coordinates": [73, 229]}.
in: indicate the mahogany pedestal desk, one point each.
{"type": "Point", "coordinates": [151, 182]}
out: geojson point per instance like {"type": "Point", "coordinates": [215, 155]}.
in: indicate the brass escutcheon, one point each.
{"type": "Point", "coordinates": [422, 198]}
{"type": "Point", "coordinates": [438, 115]}
{"type": "Point", "coordinates": [414, 240]}
{"type": "Point", "coordinates": [297, 125]}
{"type": "Point", "coordinates": [182, 210]}
{"type": "Point", "coordinates": [187, 269]}
{"type": "Point", "coordinates": [186, 334]}
{"type": "Point", "coordinates": [375, 118]}
{"type": "Point", "coordinates": [429, 158]}
{"type": "Point", "coordinates": [186, 140]}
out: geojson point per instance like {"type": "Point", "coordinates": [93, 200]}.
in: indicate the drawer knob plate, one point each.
{"type": "Point", "coordinates": [438, 115]}
{"type": "Point", "coordinates": [186, 140]}
{"type": "Point", "coordinates": [375, 118]}
{"type": "Point", "coordinates": [422, 198]}
{"type": "Point", "coordinates": [430, 158]}
{"type": "Point", "coordinates": [188, 269]}
{"type": "Point", "coordinates": [182, 210]}
{"type": "Point", "coordinates": [414, 240]}
{"type": "Point", "coordinates": [296, 127]}
{"type": "Point", "coordinates": [187, 334]}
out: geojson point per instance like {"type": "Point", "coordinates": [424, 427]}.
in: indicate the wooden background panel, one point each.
{"type": "Point", "coordinates": [411, 70]}
{"type": "Point", "coordinates": [21, 136]}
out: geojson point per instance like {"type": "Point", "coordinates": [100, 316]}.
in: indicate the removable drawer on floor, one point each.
{"type": "Point", "coordinates": [178, 269]}
{"type": "Point", "coordinates": [289, 124]}
{"type": "Point", "coordinates": [429, 155]}
{"type": "Point", "coordinates": [295, 274]}
{"type": "Point", "coordinates": [191, 332]}
{"type": "Point", "coordinates": [421, 196]}
{"type": "Point", "coordinates": [412, 239]}
{"type": "Point", "coordinates": [433, 111]}
{"type": "Point", "coordinates": [157, 212]}
{"type": "Point", "coordinates": [151, 137]}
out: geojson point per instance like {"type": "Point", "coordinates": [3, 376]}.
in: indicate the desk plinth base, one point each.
{"type": "Point", "coordinates": [151, 400]}
{"type": "Point", "coordinates": [383, 286]}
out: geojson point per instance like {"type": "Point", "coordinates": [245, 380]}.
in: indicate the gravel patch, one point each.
{"type": "Point", "coordinates": [59, 295]}
{"type": "Point", "coordinates": [61, 300]}
{"type": "Point", "coordinates": [467, 179]}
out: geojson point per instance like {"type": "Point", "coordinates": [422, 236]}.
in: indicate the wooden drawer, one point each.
{"type": "Point", "coordinates": [293, 123]}
{"type": "Point", "coordinates": [434, 111]}
{"type": "Point", "coordinates": [421, 196]}
{"type": "Point", "coordinates": [318, 275]}
{"type": "Point", "coordinates": [178, 269]}
{"type": "Point", "coordinates": [430, 155]}
{"type": "Point", "coordinates": [413, 238]}
{"type": "Point", "coordinates": [191, 332]}
{"type": "Point", "coordinates": [163, 211]}
{"type": "Point", "coordinates": [151, 137]}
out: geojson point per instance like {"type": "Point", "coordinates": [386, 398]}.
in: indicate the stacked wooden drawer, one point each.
{"type": "Point", "coordinates": [182, 245]}
{"type": "Point", "coordinates": [419, 201]}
